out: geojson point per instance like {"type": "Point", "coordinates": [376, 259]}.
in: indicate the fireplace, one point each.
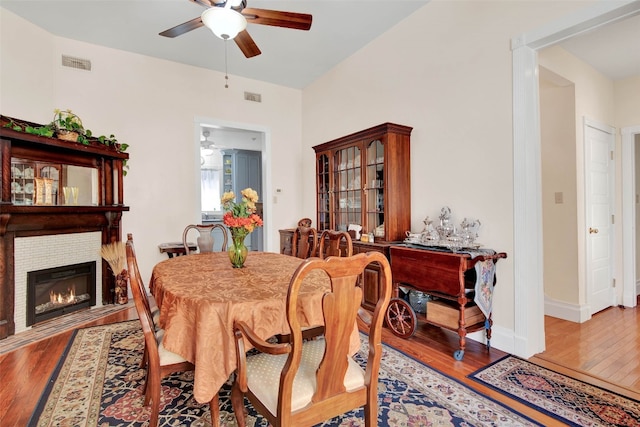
{"type": "Point", "coordinates": [53, 292]}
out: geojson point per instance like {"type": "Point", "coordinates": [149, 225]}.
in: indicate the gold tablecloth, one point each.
{"type": "Point", "coordinates": [201, 295]}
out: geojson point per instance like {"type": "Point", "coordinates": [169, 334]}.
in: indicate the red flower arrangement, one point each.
{"type": "Point", "coordinates": [241, 218]}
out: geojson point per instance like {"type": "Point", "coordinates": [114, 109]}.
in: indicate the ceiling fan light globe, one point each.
{"type": "Point", "coordinates": [224, 23]}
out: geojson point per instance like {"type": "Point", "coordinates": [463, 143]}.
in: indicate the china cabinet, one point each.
{"type": "Point", "coordinates": [365, 179]}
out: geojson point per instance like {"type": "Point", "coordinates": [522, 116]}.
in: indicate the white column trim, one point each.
{"type": "Point", "coordinates": [528, 264]}
{"type": "Point", "coordinates": [628, 216]}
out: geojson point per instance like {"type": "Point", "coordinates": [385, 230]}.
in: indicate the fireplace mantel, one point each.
{"type": "Point", "coordinates": [20, 220]}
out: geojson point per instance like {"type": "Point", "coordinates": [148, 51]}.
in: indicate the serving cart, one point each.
{"type": "Point", "coordinates": [449, 279]}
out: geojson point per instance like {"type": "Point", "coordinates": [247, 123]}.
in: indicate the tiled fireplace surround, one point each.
{"type": "Point", "coordinates": [48, 251]}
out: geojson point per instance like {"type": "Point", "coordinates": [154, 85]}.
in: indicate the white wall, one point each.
{"type": "Point", "coordinates": [558, 158]}
{"type": "Point", "coordinates": [446, 70]}
{"type": "Point", "coordinates": [151, 104]}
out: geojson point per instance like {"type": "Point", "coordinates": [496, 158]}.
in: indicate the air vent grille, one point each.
{"type": "Point", "coordinates": [79, 63]}
{"type": "Point", "coordinates": [255, 97]}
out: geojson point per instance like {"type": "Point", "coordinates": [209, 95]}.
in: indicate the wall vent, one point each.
{"type": "Point", "coordinates": [79, 63]}
{"type": "Point", "coordinates": [255, 97]}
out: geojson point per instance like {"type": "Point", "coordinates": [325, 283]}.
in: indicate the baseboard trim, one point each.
{"type": "Point", "coordinates": [566, 311]}
{"type": "Point", "coordinates": [501, 338]}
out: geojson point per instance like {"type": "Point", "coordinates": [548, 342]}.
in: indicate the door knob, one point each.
{"type": "Point", "coordinates": [593, 230]}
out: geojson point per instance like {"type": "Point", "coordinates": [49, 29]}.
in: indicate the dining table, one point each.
{"type": "Point", "coordinates": [200, 296]}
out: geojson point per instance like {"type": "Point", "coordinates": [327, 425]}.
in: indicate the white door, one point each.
{"type": "Point", "coordinates": [599, 143]}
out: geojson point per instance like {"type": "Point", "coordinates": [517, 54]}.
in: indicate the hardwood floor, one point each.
{"type": "Point", "coordinates": [607, 345]}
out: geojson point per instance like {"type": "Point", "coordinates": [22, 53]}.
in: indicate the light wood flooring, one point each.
{"type": "Point", "coordinates": [603, 351]}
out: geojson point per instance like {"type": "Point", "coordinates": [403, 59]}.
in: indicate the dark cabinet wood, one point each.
{"type": "Point", "coordinates": [365, 179]}
{"type": "Point", "coordinates": [371, 277]}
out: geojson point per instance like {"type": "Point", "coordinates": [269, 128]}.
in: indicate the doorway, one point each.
{"type": "Point", "coordinates": [577, 182]}
{"type": "Point", "coordinates": [232, 155]}
{"type": "Point", "coordinates": [528, 246]}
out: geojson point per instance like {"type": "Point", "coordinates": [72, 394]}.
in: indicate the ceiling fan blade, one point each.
{"type": "Point", "coordinates": [297, 21]}
{"type": "Point", "coordinates": [205, 3]}
{"type": "Point", "coordinates": [247, 45]}
{"type": "Point", "coordinates": [183, 28]}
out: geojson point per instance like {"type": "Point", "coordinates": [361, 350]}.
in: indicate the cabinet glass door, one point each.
{"type": "Point", "coordinates": [375, 188]}
{"type": "Point", "coordinates": [322, 186]}
{"type": "Point", "coordinates": [347, 188]}
{"type": "Point", "coordinates": [22, 186]}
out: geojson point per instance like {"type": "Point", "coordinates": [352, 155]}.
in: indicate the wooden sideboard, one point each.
{"type": "Point", "coordinates": [24, 218]}
{"type": "Point", "coordinates": [370, 278]}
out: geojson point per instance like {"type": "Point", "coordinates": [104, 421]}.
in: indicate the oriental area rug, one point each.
{"type": "Point", "coordinates": [574, 402]}
{"type": "Point", "coordinates": [98, 382]}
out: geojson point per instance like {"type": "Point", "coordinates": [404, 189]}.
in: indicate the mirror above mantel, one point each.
{"type": "Point", "coordinates": [43, 183]}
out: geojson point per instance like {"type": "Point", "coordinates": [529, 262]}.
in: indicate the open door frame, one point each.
{"type": "Point", "coordinates": [269, 244]}
{"type": "Point", "coordinates": [629, 215]}
{"type": "Point", "coordinates": [528, 262]}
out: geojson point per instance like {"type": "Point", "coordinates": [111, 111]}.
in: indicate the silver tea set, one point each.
{"type": "Point", "coordinates": [446, 234]}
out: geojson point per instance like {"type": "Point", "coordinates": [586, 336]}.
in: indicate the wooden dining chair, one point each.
{"type": "Point", "coordinates": [330, 242]}
{"type": "Point", "coordinates": [304, 242]}
{"type": "Point", "coordinates": [205, 237]}
{"type": "Point", "coordinates": [301, 383]}
{"type": "Point", "coordinates": [161, 362]}
{"type": "Point", "coordinates": [148, 301]}
{"type": "Point", "coordinates": [305, 222]}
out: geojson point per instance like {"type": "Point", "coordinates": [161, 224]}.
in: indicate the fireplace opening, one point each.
{"type": "Point", "coordinates": [53, 292]}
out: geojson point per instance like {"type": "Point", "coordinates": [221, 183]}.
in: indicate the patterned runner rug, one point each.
{"type": "Point", "coordinates": [98, 382]}
{"type": "Point", "coordinates": [574, 402]}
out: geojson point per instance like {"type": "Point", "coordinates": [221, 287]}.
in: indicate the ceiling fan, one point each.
{"type": "Point", "coordinates": [208, 146]}
{"type": "Point", "coordinates": [228, 19]}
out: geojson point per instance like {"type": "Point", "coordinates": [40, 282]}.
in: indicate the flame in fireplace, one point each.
{"type": "Point", "coordinates": [68, 297]}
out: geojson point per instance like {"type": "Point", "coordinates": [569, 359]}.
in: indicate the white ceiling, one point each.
{"type": "Point", "coordinates": [289, 57]}
{"type": "Point", "coordinates": [614, 49]}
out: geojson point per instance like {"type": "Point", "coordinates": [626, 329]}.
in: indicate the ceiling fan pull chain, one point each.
{"type": "Point", "coordinates": [226, 74]}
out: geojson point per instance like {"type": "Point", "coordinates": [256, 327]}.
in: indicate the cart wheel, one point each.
{"type": "Point", "coordinates": [401, 318]}
{"type": "Point", "coordinates": [458, 354]}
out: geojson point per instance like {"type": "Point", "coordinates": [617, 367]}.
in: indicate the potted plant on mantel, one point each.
{"type": "Point", "coordinates": [67, 126]}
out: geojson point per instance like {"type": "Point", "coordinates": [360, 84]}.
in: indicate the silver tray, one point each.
{"type": "Point", "coordinates": [443, 245]}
